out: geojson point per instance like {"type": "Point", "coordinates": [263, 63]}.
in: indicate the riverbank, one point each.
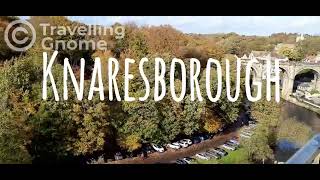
{"type": "Point", "coordinates": [302, 104]}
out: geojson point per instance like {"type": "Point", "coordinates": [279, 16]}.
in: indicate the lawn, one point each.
{"type": "Point", "coordinates": [202, 161]}
{"type": "Point", "coordinates": [238, 156]}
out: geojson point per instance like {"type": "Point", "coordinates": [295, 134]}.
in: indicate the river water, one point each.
{"type": "Point", "coordinates": [289, 110]}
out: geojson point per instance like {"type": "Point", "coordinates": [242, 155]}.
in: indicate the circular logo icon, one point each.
{"type": "Point", "coordinates": [23, 45]}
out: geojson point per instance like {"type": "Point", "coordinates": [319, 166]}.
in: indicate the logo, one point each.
{"type": "Point", "coordinates": [11, 35]}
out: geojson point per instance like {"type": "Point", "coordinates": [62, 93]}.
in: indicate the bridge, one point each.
{"type": "Point", "coordinates": [308, 154]}
{"type": "Point", "coordinates": [289, 71]}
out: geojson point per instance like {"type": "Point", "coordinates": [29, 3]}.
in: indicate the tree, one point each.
{"type": "Point", "coordinates": [5, 51]}
{"type": "Point", "coordinates": [260, 146]}
{"type": "Point", "coordinates": [291, 53]}
{"type": "Point", "coordinates": [294, 131]}
{"type": "Point", "coordinates": [212, 123]}
{"type": "Point", "coordinates": [130, 142]}
{"type": "Point", "coordinates": [16, 107]}
{"type": "Point", "coordinates": [310, 46]}
{"type": "Point", "coordinates": [92, 120]}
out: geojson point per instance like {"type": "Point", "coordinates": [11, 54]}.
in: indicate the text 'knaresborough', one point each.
{"type": "Point", "coordinates": [97, 85]}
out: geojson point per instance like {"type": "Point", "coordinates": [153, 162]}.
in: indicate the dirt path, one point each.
{"type": "Point", "coordinates": [170, 155]}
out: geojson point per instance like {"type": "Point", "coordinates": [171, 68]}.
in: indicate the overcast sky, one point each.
{"type": "Point", "coordinates": [245, 25]}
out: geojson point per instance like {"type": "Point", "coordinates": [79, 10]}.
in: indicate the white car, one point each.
{"type": "Point", "coordinates": [187, 141]}
{"type": "Point", "coordinates": [189, 160]}
{"type": "Point", "coordinates": [244, 135]}
{"type": "Point", "coordinates": [202, 156]}
{"type": "Point", "coordinates": [228, 147]}
{"type": "Point", "coordinates": [247, 133]}
{"type": "Point", "coordinates": [157, 148]}
{"type": "Point", "coordinates": [174, 145]}
{"type": "Point", "coordinates": [234, 142]}
{"type": "Point", "coordinates": [183, 144]}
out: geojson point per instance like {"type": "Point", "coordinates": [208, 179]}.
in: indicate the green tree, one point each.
{"type": "Point", "coordinates": [260, 145]}
{"type": "Point", "coordinates": [292, 54]}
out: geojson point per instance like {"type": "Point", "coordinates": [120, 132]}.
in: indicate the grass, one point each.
{"type": "Point", "coordinates": [238, 156]}
{"type": "Point", "coordinates": [202, 161]}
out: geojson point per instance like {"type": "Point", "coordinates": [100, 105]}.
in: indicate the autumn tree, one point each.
{"type": "Point", "coordinates": [292, 54]}
{"type": "Point", "coordinates": [5, 51]}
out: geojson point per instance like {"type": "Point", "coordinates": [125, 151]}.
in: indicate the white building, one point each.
{"type": "Point", "coordinates": [300, 38]}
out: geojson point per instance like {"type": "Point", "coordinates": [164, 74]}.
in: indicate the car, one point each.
{"type": "Point", "coordinates": [248, 128]}
{"type": "Point", "coordinates": [148, 149]}
{"type": "Point", "coordinates": [251, 126]}
{"type": "Point", "coordinates": [201, 137]}
{"type": "Point", "coordinates": [233, 141]}
{"type": "Point", "coordinates": [202, 156]}
{"type": "Point", "coordinates": [247, 133]}
{"type": "Point", "coordinates": [228, 147]}
{"type": "Point", "coordinates": [211, 135]}
{"type": "Point", "coordinates": [213, 154]}
{"type": "Point", "coordinates": [196, 140]}
{"type": "Point", "coordinates": [187, 141]}
{"type": "Point", "coordinates": [231, 144]}
{"type": "Point", "coordinates": [244, 135]}
{"type": "Point", "coordinates": [183, 144]}
{"type": "Point", "coordinates": [157, 147]}
{"type": "Point", "coordinates": [220, 151]}
{"type": "Point", "coordinates": [189, 160]}
{"type": "Point", "coordinates": [206, 136]}
{"type": "Point", "coordinates": [174, 145]}
{"type": "Point", "coordinates": [180, 161]}
{"type": "Point", "coordinates": [118, 156]}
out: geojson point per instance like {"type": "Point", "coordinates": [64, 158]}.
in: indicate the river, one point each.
{"type": "Point", "coordinates": [289, 110]}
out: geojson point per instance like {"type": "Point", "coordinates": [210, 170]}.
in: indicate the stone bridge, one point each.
{"type": "Point", "coordinates": [289, 70]}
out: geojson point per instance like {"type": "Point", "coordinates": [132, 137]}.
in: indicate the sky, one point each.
{"type": "Point", "coordinates": [244, 25]}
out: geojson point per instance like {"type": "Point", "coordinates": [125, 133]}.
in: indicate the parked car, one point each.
{"type": "Point", "coordinates": [174, 145]}
{"type": "Point", "coordinates": [244, 135]}
{"type": "Point", "coordinates": [220, 151]}
{"type": "Point", "coordinates": [204, 137]}
{"type": "Point", "coordinates": [180, 161]}
{"type": "Point", "coordinates": [148, 149]}
{"type": "Point", "coordinates": [118, 156]}
{"type": "Point", "coordinates": [248, 128]}
{"type": "Point", "coordinates": [188, 141]}
{"type": "Point", "coordinates": [247, 133]}
{"type": "Point", "coordinates": [228, 147]}
{"type": "Point", "coordinates": [233, 141]}
{"type": "Point", "coordinates": [211, 136]}
{"type": "Point", "coordinates": [202, 156]}
{"type": "Point", "coordinates": [196, 140]}
{"type": "Point", "coordinates": [189, 160]}
{"type": "Point", "coordinates": [231, 144]}
{"type": "Point", "coordinates": [201, 138]}
{"type": "Point", "coordinates": [183, 144]}
{"type": "Point", "coordinates": [251, 126]}
{"type": "Point", "coordinates": [157, 147]}
{"type": "Point", "coordinates": [213, 154]}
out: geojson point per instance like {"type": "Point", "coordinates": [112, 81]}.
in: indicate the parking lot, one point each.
{"type": "Point", "coordinates": [170, 156]}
